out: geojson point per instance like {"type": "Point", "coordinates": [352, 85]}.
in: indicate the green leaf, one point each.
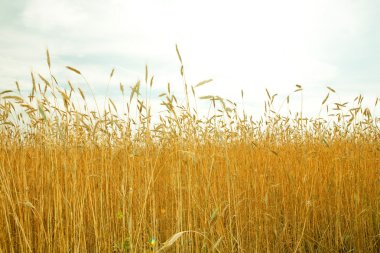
{"type": "Point", "coordinates": [214, 214]}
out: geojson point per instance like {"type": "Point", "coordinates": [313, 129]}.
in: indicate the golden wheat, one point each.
{"type": "Point", "coordinates": [73, 179]}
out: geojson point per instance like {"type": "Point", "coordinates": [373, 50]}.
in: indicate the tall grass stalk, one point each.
{"type": "Point", "coordinates": [77, 180]}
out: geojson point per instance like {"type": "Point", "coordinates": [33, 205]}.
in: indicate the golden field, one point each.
{"type": "Point", "coordinates": [76, 180]}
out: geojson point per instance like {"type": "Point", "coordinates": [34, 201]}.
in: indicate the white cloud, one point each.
{"type": "Point", "coordinates": [50, 15]}
{"type": "Point", "coordinates": [242, 44]}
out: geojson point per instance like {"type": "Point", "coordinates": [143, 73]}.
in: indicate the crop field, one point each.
{"type": "Point", "coordinates": [80, 176]}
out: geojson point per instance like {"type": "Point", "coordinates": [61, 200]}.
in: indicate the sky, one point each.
{"type": "Point", "coordinates": [241, 45]}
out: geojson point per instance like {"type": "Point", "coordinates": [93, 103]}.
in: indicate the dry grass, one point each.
{"type": "Point", "coordinates": [76, 180]}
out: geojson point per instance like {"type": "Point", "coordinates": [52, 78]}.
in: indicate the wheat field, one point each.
{"type": "Point", "coordinates": [80, 179]}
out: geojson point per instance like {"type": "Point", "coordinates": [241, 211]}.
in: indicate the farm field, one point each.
{"type": "Point", "coordinates": [74, 179]}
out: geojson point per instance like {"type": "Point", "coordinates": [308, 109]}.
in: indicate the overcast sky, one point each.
{"type": "Point", "coordinates": [249, 45]}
